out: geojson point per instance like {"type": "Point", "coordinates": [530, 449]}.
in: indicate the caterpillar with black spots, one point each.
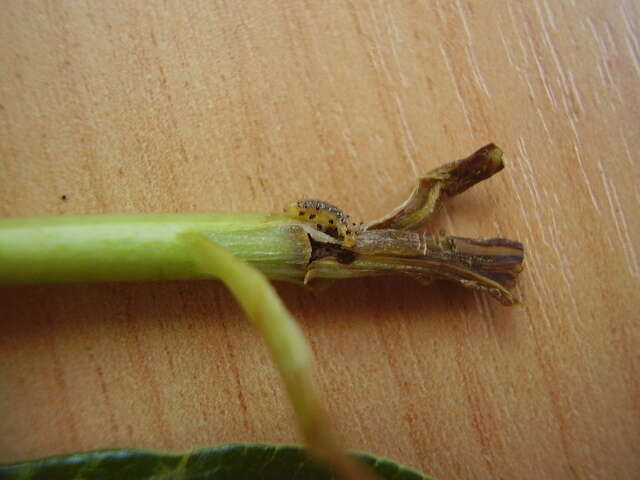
{"type": "Point", "coordinates": [327, 218]}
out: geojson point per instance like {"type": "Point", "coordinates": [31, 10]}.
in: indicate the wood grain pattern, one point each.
{"type": "Point", "coordinates": [245, 106]}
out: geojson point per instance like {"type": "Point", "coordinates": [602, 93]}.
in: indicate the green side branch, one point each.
{"type": "Point", "coordinates": [286, 343]}
{"type": "Point", "coordinates": [264, 308]}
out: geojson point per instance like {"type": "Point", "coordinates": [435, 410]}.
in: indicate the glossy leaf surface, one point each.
{"type": "Point", "coordinates": [232, 461]}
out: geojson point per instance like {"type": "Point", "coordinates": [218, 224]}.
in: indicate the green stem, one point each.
{"type": "Point", "coordinates": [143, 247]}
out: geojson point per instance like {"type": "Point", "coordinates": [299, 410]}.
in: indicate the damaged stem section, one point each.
{"type": "Point", "coordinates": [147, 247]}
{"type": "Point", "coordinates": [393, 245]}
{"type": "Point", "coordinates": [491, 265]}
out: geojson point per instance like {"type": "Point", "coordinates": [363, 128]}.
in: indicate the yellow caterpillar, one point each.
{"type": "Point", "coordinates": [327, 218]}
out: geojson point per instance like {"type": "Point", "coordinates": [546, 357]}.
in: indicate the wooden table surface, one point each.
{"type": "Point", "coordinates": [245, 106]}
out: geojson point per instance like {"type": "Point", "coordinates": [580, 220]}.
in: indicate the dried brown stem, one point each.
{"type": "Point", "coordinates": [490, 265]}
{"type": "Point", "coordinates": [439, 184]}
{"type": "Point", "coordinates": [391, 246]}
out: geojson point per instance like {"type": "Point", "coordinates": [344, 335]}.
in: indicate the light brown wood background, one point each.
{"type": "Point", "coordinates": [244, 106]}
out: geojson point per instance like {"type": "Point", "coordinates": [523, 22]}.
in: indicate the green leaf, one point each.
{"type": "Point", "coordinates": [233, 461]}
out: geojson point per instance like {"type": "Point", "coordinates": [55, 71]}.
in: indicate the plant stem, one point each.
{"type": "Point", "coordinates": [146, 247]}
{"type": "Point", "coordinates": [110, 248]}
{"type": "Point", "coordinates": [95, 248]}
